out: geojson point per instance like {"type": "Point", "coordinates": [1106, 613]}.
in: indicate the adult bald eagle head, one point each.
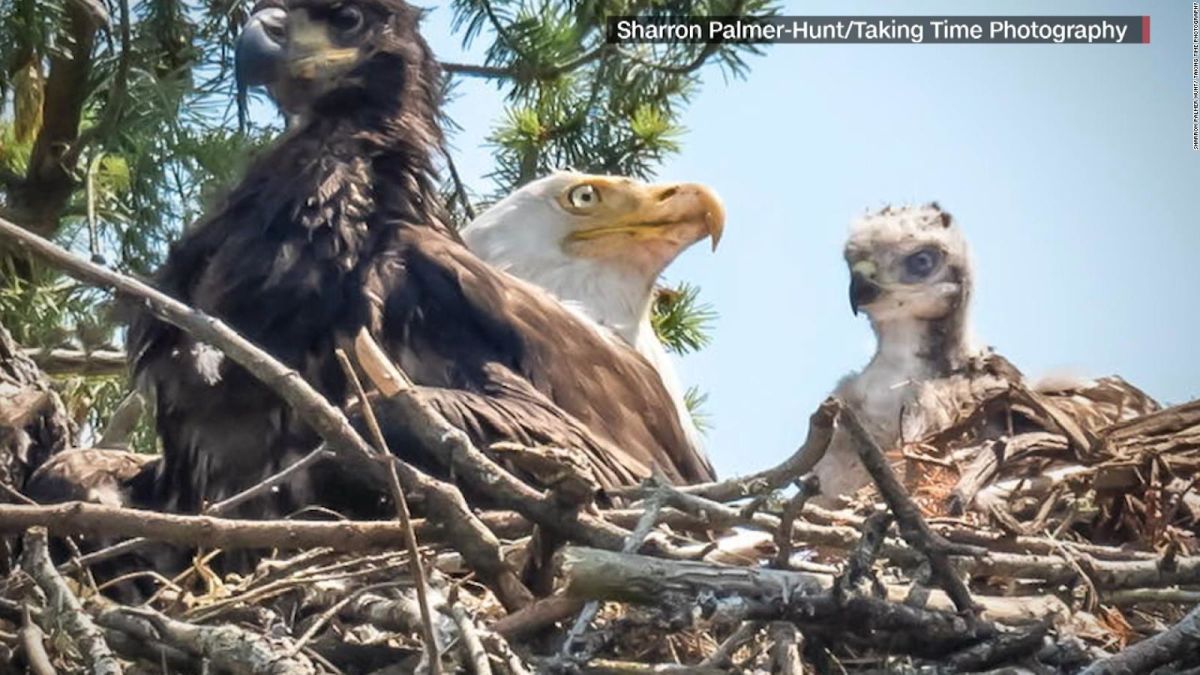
{"type": "Point", "coordinates": [339, 227]}
{"type": "Point", "coordinates": [599, 244]}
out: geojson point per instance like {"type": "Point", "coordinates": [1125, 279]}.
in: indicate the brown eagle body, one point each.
{"type": "Point", "coordinates": [339, 227]}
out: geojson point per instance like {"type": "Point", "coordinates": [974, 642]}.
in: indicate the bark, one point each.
{"type": "Point", "coordinates": [68, 612]}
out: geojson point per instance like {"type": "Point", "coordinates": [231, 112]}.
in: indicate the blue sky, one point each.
{"type": "Point", "coordinates": [1068, 166]}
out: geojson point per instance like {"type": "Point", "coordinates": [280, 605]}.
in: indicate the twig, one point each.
{"type": "Point", "coordinates": [35, 560]}
{"type": "Point", "coordinates": [806, 487]}
{"type": "Point", "coordinates": [328, 615]}
{"type": "Point", "coordinates": [477, 656]}
{"type": "Point", "coordinates": [228, 504]}
{"type": "Point", "coordinates": [31, 639]}
{"type": "Point", "coordinates": [996, 650]}
{"type": "Point", "coordinates": [820, 431]}
{"type": "Point", "coordinates": [1137, 596]}
{"type": "Point", "coordinates": [402, 513]}
{"type": "Point", "coordinates": [785, 649]}
{"type": "Point", "coordinates": [79, 362]}
{"type": "Point", "coordinates": [207, 531]}
{"type": "Point", "coordinates": [725, 593]}
{"type": "Point", "coordinates": [653, 506]}
{"type": "Point", "coordinates": [913, 527]}
{"type": "Point", "coordinates": [475, 70]}
{"type": "Point", "coordinates": [226, 647]}
{"type": "Point", "coordinates": [862, 558]}
{"type": "Point", "coordinates": [1182, 639]}
{"type": "Point", "coordinates": [722, 656]}
{"type": "Point", "coordinates": [541, 614]}
{"type": "Point", "coordinates": [460, 190]}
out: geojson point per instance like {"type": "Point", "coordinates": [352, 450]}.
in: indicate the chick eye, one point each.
{"type": "Point", "coordinates": [346, 19]}
{"type": "Point", "coordinates": [583, 197]}
{"type": "Point", "coordinates": [922, 263]}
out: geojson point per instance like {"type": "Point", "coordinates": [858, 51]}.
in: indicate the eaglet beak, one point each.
{"type": "Point", "coordinates": [310, 54]}
{"type": "Point", "coordinates": [259, 48]}
{"type": "Point", "coordinates": [661, 211]}
{"type": "Point", "coordinates": [863, 288]}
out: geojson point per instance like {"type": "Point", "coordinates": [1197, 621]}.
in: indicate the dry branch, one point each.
{"type": "Point", "coordinates": [1181, 640]}
{"type": "Point", "coordinates": [65, 607]}
{"type": "Point", "coordinates": [820, 432]}
{"type": "Point", "coordinates": [727, 593]}
{"type": "Point", "coordinates": [31, 639]}
{"type": "Point", "coordinates": [79, 362]}
{"type": "Point", "coordinates": [912, 525]}
{"type": "Point", "coordinates": [225, 647]}
{"type": "Point", "coordinates": [402, 514]}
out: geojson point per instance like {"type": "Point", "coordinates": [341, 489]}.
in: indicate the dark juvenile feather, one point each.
{"type": "Point", "coordinates": [340, 226]}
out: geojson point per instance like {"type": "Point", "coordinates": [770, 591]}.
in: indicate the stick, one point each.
{"type": "Point", "coordinates": [806, 488]}
{"type": "Point", "coordinates": [225, 647]}
{"type": "Point", "coordinates": [1182, 639]}
{"type": "Point", "coordinates": [541, 614]}
{"type": "Point", "coordinates": [913, 527]}
{"type": "Point", "coordinates": [410, 537]}
{"type": "Point", "coordinates": [785, 650]}
{"type": "Point", "coordinates": [820, 431]}
{"type": "Point", "coordinates": [477, 656]}
{"type": "Point", "coordinates": [60, 601]}
{"type": "Point", "coordinates": [723, 593]}
{"type": "Point", "coordinates": [31, 639]}
{"type": "Point", "coordinates": [722, 657]}
{"type": "Point", "coordinates": [79, 362]}
{"type": "Point", "coordinates": [633, 543]}
{"type": "Point", "coordinates": [228, 504]}
{"type": "Point", "coordinates": [73, 518]}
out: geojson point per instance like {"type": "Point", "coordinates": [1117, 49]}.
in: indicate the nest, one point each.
{"type": "Point", "coordinates": [967, 554]}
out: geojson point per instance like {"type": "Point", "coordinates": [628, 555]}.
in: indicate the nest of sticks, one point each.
{"type": "Point", "coordinates": [738, 576]}
{"type": "Point", "coordinates": [1048, 550]}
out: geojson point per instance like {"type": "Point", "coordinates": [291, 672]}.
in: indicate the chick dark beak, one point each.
{"type": "Point", "coordinates": [259, 49]}
{"type": "Point", "coordinates": [863, 291]}
{"type": "Point", "coordinates": [259, 53]}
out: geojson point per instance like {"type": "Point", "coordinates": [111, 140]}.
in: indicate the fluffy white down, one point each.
{"type": "Point", "coordinates": [522, 234]}
{"type": "Point", "coordinates": [907, 357]}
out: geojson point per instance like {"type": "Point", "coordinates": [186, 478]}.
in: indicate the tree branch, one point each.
{"type": "Point", "coordinates": [913, 527]}
{"type": "Point", "coordinates": [475, 70]}
{"type": "Point", "coordinates": [66, 608]}
{"type": "Point", "coordinates": [1182, 639]}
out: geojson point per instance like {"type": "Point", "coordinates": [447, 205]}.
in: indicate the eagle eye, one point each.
{"type": "Point", "coordinates": [922, 263]}
{"type": "Point", "coordinates": [346, 19]}
{"type": "Point", "coordinates": [583, 197]}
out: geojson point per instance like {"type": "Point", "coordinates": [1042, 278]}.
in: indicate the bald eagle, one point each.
{"type": "Point", "coordinates": [599, 244]}
{"type": "Point", "coordinates": [339, 227]}
{"type": "Point", "coordinates": [911, 274]}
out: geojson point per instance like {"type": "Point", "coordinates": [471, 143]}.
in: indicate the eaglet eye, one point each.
{"type": "Point", "coordinates": [583, 197]}
{"type": "Point", "coordinates": [346, 19]}
{"type": "Point", "coordinates": [922, 263]}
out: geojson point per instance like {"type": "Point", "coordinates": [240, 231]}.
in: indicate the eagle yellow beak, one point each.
{"type": "Point", "coordinates": [651, 212]}
{"type": "Point", "coordinates": [310, 53]}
